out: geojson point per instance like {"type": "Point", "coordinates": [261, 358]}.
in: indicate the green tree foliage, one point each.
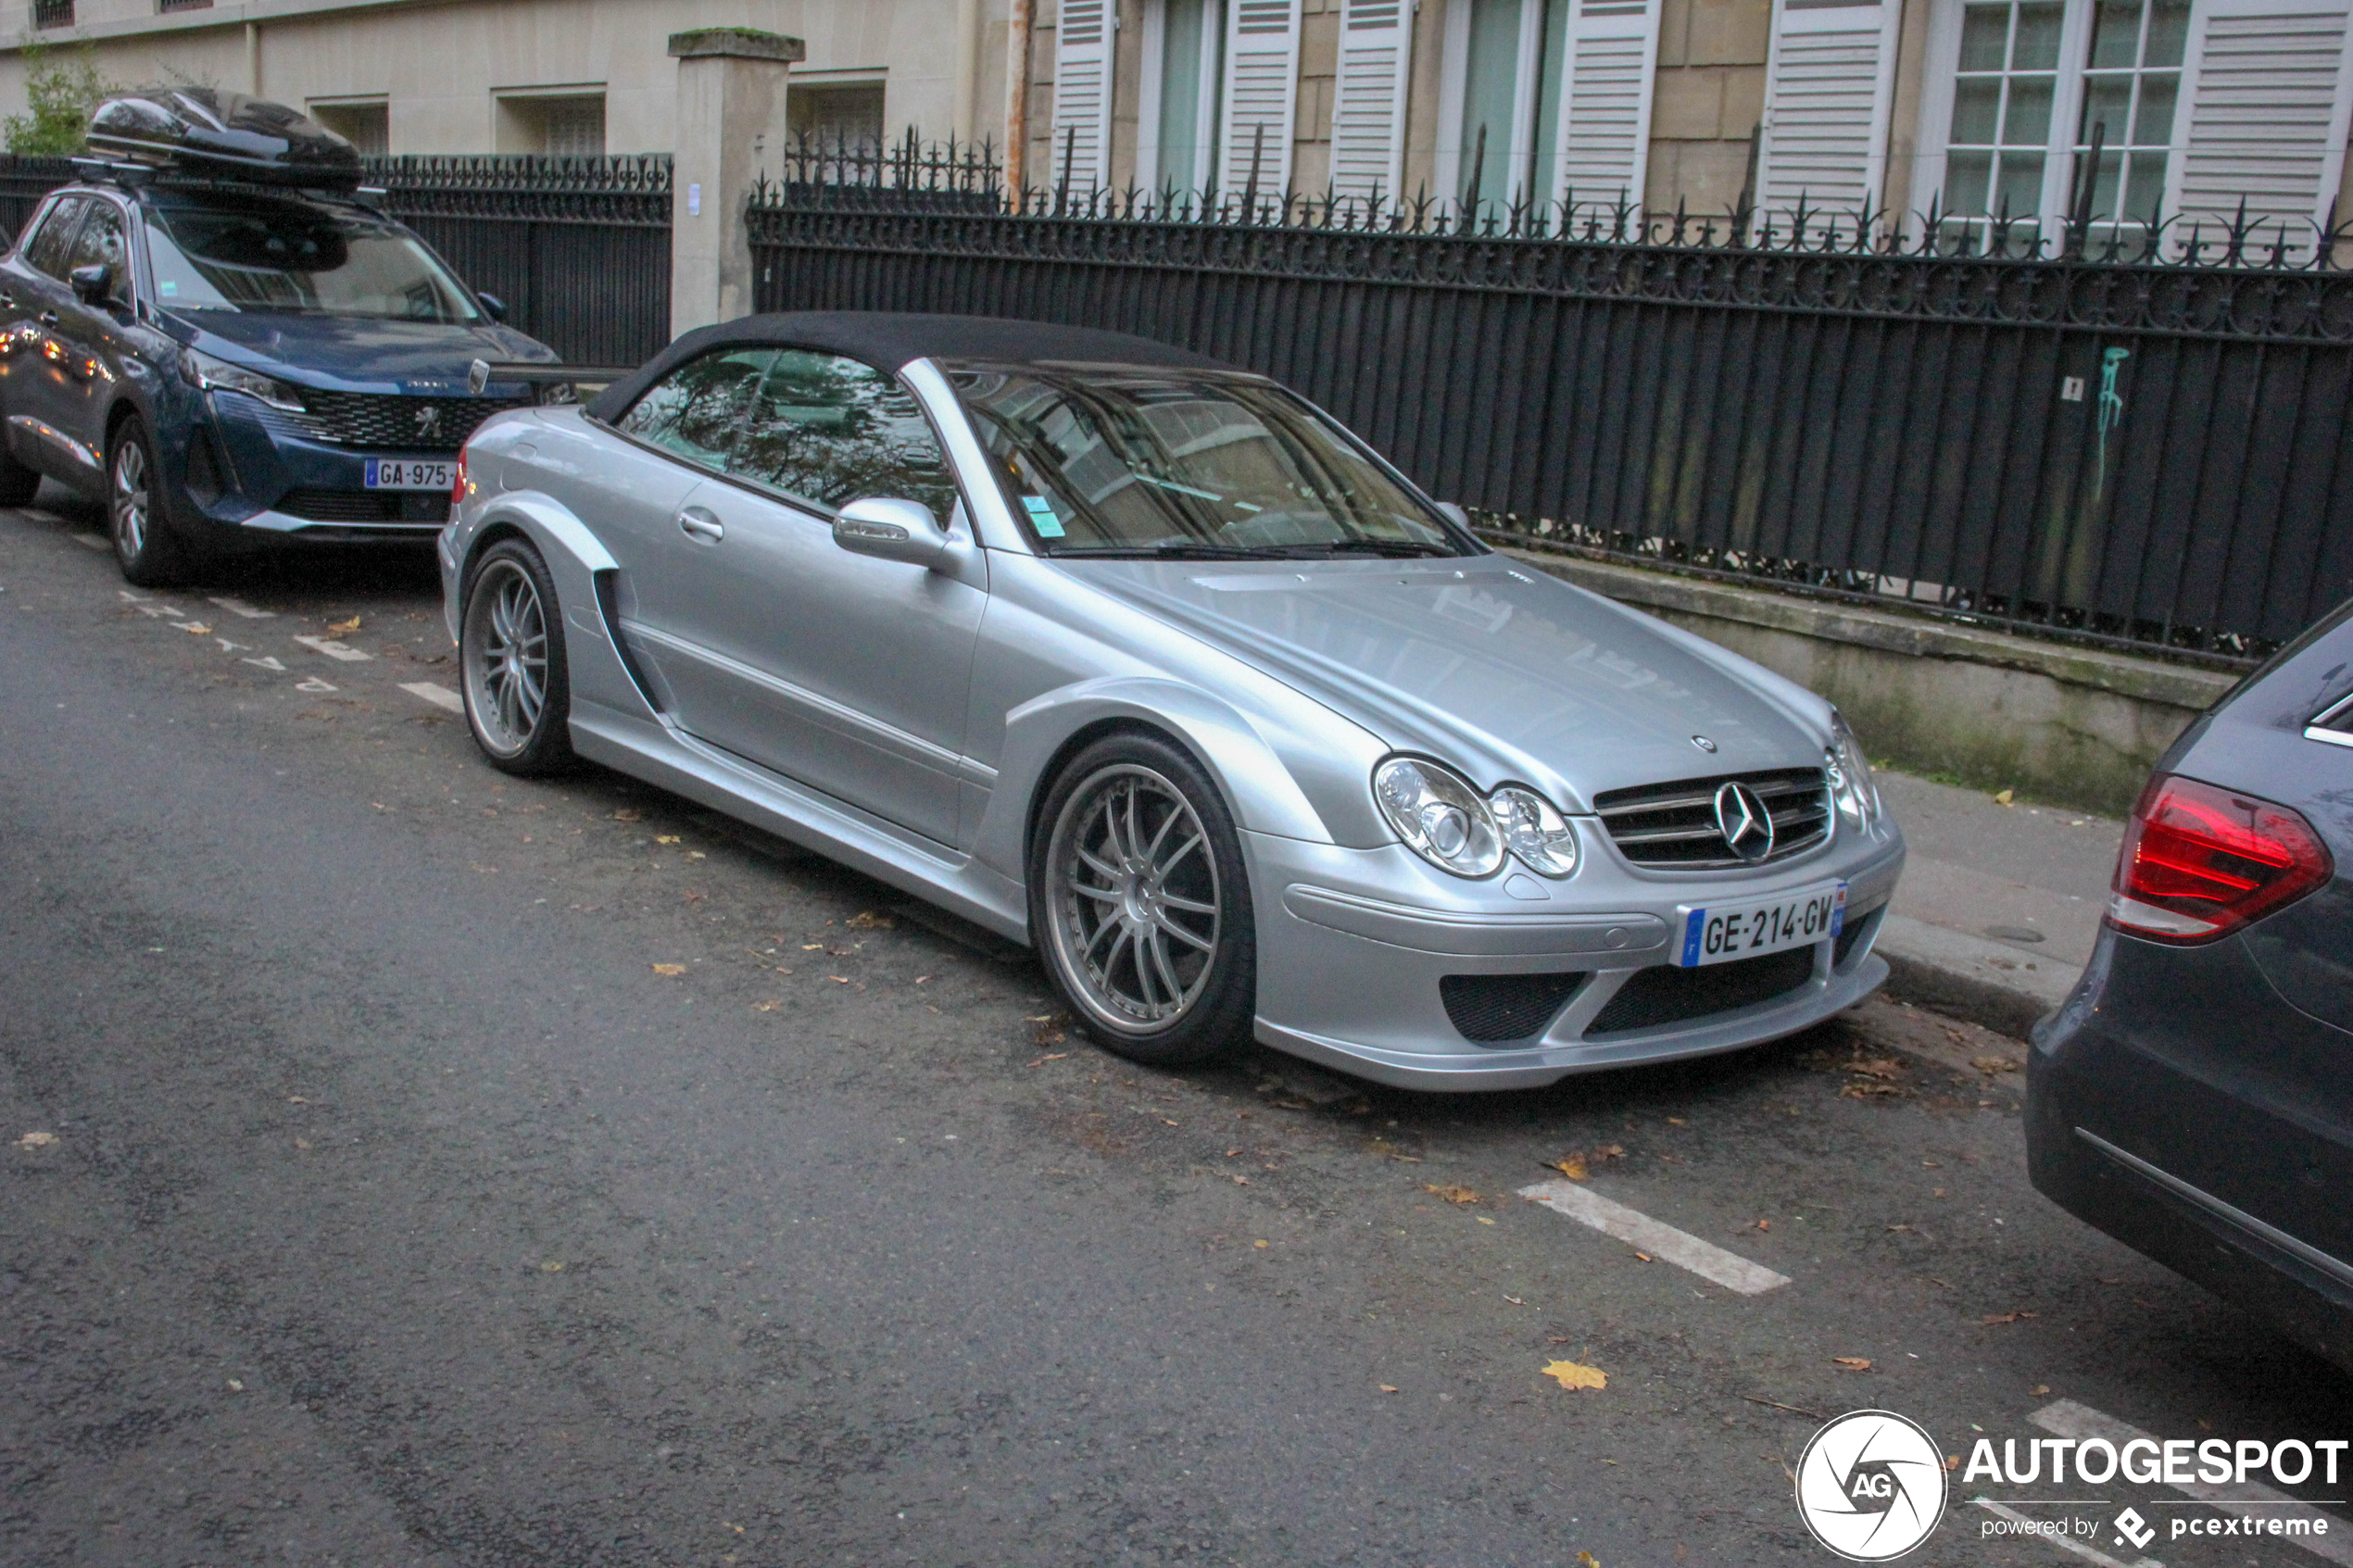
{"type": "Point", "coordinates": [60, 91]}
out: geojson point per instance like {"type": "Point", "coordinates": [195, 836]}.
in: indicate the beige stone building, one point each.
{"type": "Point", "coordinates": [1983, 107]}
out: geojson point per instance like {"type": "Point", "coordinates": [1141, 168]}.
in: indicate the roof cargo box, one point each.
{"type": "Point", "coordinates": [204, 132]}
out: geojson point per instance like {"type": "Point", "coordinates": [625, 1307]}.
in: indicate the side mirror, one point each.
{"type": "Point", "coordinates": [889, 530]}
{"type": "Point", "coordinates": [1454, 514]}
{"type": "Point", "coordinates": [93, 284]}
{"type": "Point", "coordinates": [491, 303]}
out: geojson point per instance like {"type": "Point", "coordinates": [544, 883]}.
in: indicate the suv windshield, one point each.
{"type": "Point", "coordinates": [1104, 460]}
{"type": "Point", "coordinates": [291, 256]}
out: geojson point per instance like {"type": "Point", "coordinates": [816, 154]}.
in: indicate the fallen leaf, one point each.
{"type": "Point", "coordinates": [1051, 1056]}
{"type": "Point", "coordinates": [1570, 1165]}
{"type": "Point", "coordinates": [1577, 1165]}
{"type": "Point", "coordinates": [628, 814]}
{"type": "Point", "coordinates": [1516, 1300]}
{"type": "Point", "coordinates": [765, 1007]}
{"type": "Point", "coordinates": [1570, 1374]}
{"type": "Point", "coordinates": [1586, 1558]}
{"type": "Point", "coordinates": [343, 628]}
{"type": "Point", "coordinates": [551, 1267]}
{"type": "Point", "coordinates": [1643, 1256]}
{"type": "Point", "coordinates": [197, 629]}
{"type": "Point", "coordinates": [2004, 798]}
{"type": "Point", "coordinates": [1676, 1122]}
{"type": "Point", "coordinates": [1484, 1220]}
{"type": "Point", "coordinates": [811, 946]}
{"type": "Point", "coordinates": [691, 854]}
{"type": "Point", "coordinates": [1993, 1064]}
{"type": "Point", "coordinates": [1852, 1363]}
{"type": "Point", "coordinates": [1258, 1244]}
{"type": "Point", "coordinates": [1952, 1462]}
{"type": "Point", "coordinates": [1875, 1067]}
{"type": "Point", "coordinates": [838, 979]}
{"type": "Point", "coordinates": [1385, 1387]}
{"type": "Point", "coordinates": [1992, 1318]}
{"type": "Point", "coordinates": [1451, 1193]}
{"type": "Point", "coordinates": [665, 838]}
{"type": "Point", "coordinates": [302, 1143]}
{"type": "Point", "coordinates": [870, 921]}
{"type": "Point", "coordinates": [2038, 1390]}
{"type": "Point", "coordinates": [235, 1386]}
{"type": "Point", "coordinates": [1859, 1089]}
{"type": "Point", "coordinates": [36, 1140]}
{"type": "Point", "coordinates": [1764, 1225]}
{"type": "Point", "coordinates": [670, 969]}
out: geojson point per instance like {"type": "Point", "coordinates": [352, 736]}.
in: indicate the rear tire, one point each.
{"type": "Point", "coordinates": [150, 556]}
{"type": "Point", "coordinates": [1139, 904]}
{"type": "Point", "coordinates": [510, 656]}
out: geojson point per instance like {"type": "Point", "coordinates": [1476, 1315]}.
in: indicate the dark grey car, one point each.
{"type": "Point", "coordinates": [2193, 1098]}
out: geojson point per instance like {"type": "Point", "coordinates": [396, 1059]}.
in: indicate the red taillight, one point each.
{"type": "Point", "coordinates": [458, 486]}
{"type": "Point", "coordinates": [2199, 862]}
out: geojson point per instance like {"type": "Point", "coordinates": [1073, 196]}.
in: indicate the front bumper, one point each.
{"type": "Point", "coordinates": [252, 480]}
{"type": "Point", "coordinates": [1356, 948]}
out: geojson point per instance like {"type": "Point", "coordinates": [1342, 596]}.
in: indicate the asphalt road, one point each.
{"type": "Point", "coordinates": [370, 1192]}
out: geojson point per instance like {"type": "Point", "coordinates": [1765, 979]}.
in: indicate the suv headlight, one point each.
{"type": "Point", "coordinates": [1850, 775]}
{"type": "Point", "coordinates": [1536, 832]}
{"type": "Point", "coordinates": [1438, 815]}
{"type": "Point", "coordinates": [207, 373]}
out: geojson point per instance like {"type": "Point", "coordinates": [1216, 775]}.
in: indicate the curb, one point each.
{"type": "Point", "coordinates": [1981, 982]}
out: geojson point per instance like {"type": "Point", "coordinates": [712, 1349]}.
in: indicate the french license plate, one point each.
{"type": "Point", "coordinates": [1722, 932]}
{"type": "Point", "coordinates": [404, 473]}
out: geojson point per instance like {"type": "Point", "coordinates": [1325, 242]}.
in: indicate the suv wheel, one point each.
{"type": "Point", "coordinates": [143, 546]}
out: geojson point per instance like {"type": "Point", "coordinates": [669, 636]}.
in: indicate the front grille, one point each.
{"type": "Point", "coordinates": [1493, 1009]}
{"type": "Point", "coordinates": [1672, 826]}
{"type": "Point", "coordinates": [365, 505]}
{"type": "Point", "coordinates": [1667, 994]}
{"type": "Point", "coordinates": [388, 420]}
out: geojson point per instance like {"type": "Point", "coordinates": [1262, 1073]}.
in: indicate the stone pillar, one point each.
{"type": "Point", "coordinates": [731, 90]}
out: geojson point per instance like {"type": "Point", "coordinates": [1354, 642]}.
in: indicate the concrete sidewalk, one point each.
{"type": "Point", "coordinates": [1999, 905]}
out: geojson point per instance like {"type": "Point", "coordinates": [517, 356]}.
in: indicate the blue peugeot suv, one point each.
{"type": "Point", "coordinates": [215, 333]}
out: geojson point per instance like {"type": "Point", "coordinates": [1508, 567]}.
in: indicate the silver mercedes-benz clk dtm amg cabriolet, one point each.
{"type": "Point", "coordinates": [1144, 660]}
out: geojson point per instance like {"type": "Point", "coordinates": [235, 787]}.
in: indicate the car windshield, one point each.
{"type": "Point", "coordinates": [289, 257]}
{"type": "Point", "coordinates": [1106, 460]}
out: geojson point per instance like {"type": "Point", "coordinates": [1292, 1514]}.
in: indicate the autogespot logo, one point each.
{"type": "Point", "coordinates": [1870, 1486]}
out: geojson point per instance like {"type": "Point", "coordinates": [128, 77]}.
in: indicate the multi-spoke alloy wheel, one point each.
{"type": "Point", "coordinates": [144, 547]}
{"type": "Point", "coordinates": [1143, 905]}
{"type": "Point", "coordinates": [511, 648]}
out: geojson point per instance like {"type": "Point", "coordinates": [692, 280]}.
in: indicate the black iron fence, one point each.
{"type": "Point", "coordinates": [577, 248]}
{"type": "Point", "coordinates": [2137, 437]}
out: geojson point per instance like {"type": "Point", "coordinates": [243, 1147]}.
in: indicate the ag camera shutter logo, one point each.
{"type": "Point", "coordinates": [1870, 1486]}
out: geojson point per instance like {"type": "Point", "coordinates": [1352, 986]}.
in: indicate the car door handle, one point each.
{"type": "Point", "coordinates": [698, 523]}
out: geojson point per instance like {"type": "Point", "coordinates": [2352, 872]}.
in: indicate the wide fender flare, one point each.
{"type": "Point", "coordinates": [575, 559]}
{"type": "Point", "coordinates": [1258, 787]}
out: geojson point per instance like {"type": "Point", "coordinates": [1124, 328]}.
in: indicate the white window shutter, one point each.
{"type": "Point", "coordinates": [1612, 59]}
{"type": "Point", "coordinates": [1082, 95]}
{"type": "Point", "coordinates": [1262, 94]}
{"type": "Point", "coordinates": [1369, 115]}
{"type": "Point", "coordinates": [2265, 101]}
{"type": "Point", "coordinates": [1829, 87]}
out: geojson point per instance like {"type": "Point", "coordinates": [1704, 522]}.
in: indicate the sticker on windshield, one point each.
{"type": "Point", "coordinates": [170, 287]}
{"type": "Point", "coordinates": [1043, 518]}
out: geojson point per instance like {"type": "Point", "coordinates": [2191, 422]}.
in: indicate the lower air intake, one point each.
{"type": "Point", "coordinates": [1499, 1008]}
{"type": "Point", "coordinates": [1668, 994]}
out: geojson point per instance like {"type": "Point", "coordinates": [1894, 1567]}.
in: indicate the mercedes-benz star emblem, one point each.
{"type": "Point", "coordinates": [429, 421]}
{"type": "Point", "coordinates": [1746, 825]}
{"type": "Point", "coordinates": [1703, 742]}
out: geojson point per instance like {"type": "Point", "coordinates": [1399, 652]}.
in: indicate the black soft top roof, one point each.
{"type": "Point", "coordinates": [888, 341]}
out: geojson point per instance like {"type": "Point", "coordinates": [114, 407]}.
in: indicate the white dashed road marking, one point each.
{"type": "Point", "coordinates": [238, 607]}
{"type": "Point", "coordinates": [1662, 1241]}
{"type": "Point", "coordinates": [2064, 1543]}
{"type": "Point", "coordinates": [335, 649]}
{"type": "Point", "coordinates": [440, 696]}
{"type": "Point", "coordinates": [315, 686]}
{"type": "Point", "coordinates": [2247, 1499]}
{"type": "Point", "coordinates": [267, 662]}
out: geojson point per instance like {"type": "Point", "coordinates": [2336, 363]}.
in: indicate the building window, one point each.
{"type": "Point", "coordinates": [365, 125]}
{"type": "Point", "coordinates": [170, 5]}
{"type": "Point", "coordinates": [1184, 73]}
{"type": "Point", "coordinates": [558, 124]}
{"type": "Point", "coordinates": [831, 117]}
{"type": "Point", "coordinates": [1547, 101]}
{"type": "Point", "coordinates": [53, 13]}
{"type": "Point", "coordinates": [2195, 110]}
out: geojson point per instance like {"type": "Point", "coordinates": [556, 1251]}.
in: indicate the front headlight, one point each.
{"type": "Point", "coordinates": [1536, 832]}
{"type": "Point", "coordinates": [207, 373]}
{"type": "Point", "coordinates": [1438, 815]}
{"type": "Point", "coordinates": [1850, 774]}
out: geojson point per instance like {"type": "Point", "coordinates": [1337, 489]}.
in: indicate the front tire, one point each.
{"type": "Point", "coordinates": [144, 545]}
{"type": "Point", "coordinates": [510, 654]}
{"type": "Point", "coordinates": [1139, 904]}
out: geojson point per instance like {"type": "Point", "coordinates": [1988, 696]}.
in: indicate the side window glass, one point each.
{"type": "Point", "coordinates": [47, 250]}
{"type": "Point", "coordinates": [827, 430]}
{"type": "Point", "coordinates": [696, 411]}
{"type": "Point", "coordinates": [101, 243]}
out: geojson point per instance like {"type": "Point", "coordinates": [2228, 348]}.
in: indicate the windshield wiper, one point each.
{"type": "Point", "coordinates": [1168, 551]}
{"type": "Point", "coordinates": [1393, 547]}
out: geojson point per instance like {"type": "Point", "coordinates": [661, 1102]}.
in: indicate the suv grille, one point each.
{"type": "Point", "coordinates": [1672, 826]}
{"type": "Point", "coordinates": [1496, 1009]}
{"type": "Point", "coordinates": [390, 419]}
{"type": "Point", "coordinates": [1666, 994]}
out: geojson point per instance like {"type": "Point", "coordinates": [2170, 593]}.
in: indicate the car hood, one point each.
{"type": "Point", "coordinates": [361, 351]}
{"type": "Point", "coordinates": [1504, 671]}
